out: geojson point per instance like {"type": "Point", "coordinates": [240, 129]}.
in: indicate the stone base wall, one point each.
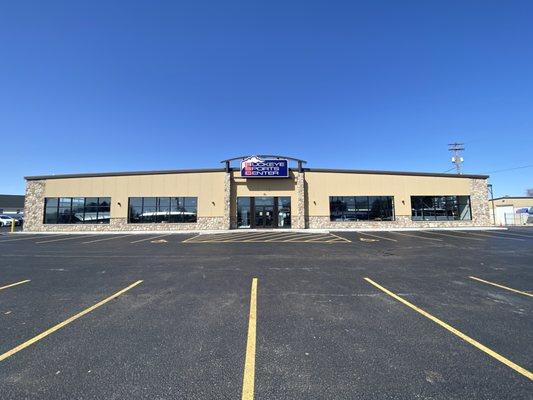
{"type": "Point", "coordinates": [121, 224]}
{"type": "Point", "coordinates": [402, 221]}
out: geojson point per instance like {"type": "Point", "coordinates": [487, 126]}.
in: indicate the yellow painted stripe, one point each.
{"type": "Point", "coordinates": [512, 234]}
{"type": "Point", "coordinates": [21, 238]}
{"type": "Point", "coordinates": [416, 236]}
{"type": "Point", "coordinates": [303, 237]}
{"type": "Point", "coordinates": [248, 381]}
{"type": "Point", "coordinates": [492, 236]}
{"type": "Point", "coordinates": [64, 323]}
{"type": "Point", "coordinates": [191, 238]}
{"type": "Point", "coordinates": [150, 238]}
{"type": "Point", "coordinates": [376, 236]}
{"type": "Point", "coordinates": [456, 332]}
{"type": "Point", "coordinates": [70, 237]}
{"type": "Point", "coordinates": [15, 284]}
{"type": "Point", "coordinates": [452, 236]}
{"type": "Point", "coordinates": [340, 237]}
{"type": "Point", "coordinates": [501, 286]}
{"type": "Point", "coordinates": [107, 238]}
{"type": "Point", "coordinates": [284, 235]}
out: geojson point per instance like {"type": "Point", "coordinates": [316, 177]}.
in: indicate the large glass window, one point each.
{"type": "Point", "coordinates": [361, 208]}
{"type": "Point", "coordinates": [77, 210]}
{"type": "Point", "coordinates": [162, 209]}
{"type": "Point", "coordinates": [440, 208]}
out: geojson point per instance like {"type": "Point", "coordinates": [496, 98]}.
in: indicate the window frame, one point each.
{"type": "Point", "coordinates": [65, 215]}
{"type": "Point", "coordinates": [361, 205]}
{"type": "Point", "coordinates": [453, 199]}
{"type": "Point", "coordinates": [176, 210]}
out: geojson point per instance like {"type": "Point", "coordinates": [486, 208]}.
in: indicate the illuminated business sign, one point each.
{"type": "Point", "coordinates": [255, 167]}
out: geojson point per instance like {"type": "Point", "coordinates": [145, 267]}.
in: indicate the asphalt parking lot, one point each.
{"type": "Point", "coordinates": [374, 315]}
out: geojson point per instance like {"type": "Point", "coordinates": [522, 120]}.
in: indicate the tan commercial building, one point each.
{"type": "Point", "coordinates": [265, 192]}
{"type": "Point", "coordinates": [509, 210]}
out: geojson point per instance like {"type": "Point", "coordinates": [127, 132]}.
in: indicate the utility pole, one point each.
{"type": "Point", "coordinates": [456, 148]}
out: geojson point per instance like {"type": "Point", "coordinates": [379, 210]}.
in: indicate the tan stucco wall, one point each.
{"type": "Point", "coordinates": [208, 187]}
{"type": "Point", "coordinates": [515, 202]}
{"type": "Point", "coordinates": [321, 185]}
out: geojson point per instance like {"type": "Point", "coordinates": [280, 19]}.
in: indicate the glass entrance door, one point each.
{"type": "Point", "coordinates": [264, 217]}
{"type": "Point", "coordinates": [263, 212]}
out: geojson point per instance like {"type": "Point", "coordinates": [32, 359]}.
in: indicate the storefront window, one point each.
{"type": "Point", "coordinates": [162, 210]}
{"type": "Point", "coordinates": [77, 210]}
{"type": "Point", "coordinates": [440, 208]}
{"type": "Point", "coordinates": [361, 208]}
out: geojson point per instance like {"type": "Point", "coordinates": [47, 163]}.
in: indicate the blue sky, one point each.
{"type": "Point", "coordinates": [121, 85]}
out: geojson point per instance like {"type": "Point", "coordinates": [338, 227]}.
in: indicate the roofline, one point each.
{"type": "Point", "coordinates": [128, 173]}
{"type": "Point", "coordinates": [512, 197]}
{"type": "Point", "coordinates": [370, 172]}
{"type": "Point", "coordinates": [204, 170]}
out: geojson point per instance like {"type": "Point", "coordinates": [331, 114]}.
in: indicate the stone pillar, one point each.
{"type": "Point", "coordinates": [226, 223]}
{"type": "Point", "coordinates": [299, 220]}
{"type": "Point", "coordinates": [34, 205]}
{"type": "Point", "coordinates": [479, 200]}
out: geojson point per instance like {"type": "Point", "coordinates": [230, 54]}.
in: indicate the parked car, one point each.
{"type": "Point", "coordinates": [5, 220]}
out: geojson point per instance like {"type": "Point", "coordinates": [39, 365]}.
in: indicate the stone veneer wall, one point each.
{"type": "Point", "coordinates": [34, 214]}
{"type": "Point", "coordinates": [478, 202]}
{"type": "Point", "coordinates": [298, 220]}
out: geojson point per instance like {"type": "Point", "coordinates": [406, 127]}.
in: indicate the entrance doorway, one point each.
{"type": "Point", "coordinates": [263, 212]}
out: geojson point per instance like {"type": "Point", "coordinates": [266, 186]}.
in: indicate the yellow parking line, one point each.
{"type": "Point", "coordinates": [302, 237]}
{"type": "Point", "coordinates": [500, 286]}
{"type": "Point", "coordinates": [64, 323]}
{"type": "Point", "coordinates": [15, 284]}
{"type": "Point", "coordinates": [261, 236]}
{"type": "Point", "coordinates": [492, 236]}
{"type": "Point", "coordinates": [452, 236]}
{"type": "Point", "coordinates": [451, 329]}
{"type": "Point", "coordinates": [376, 236]}
{"type": "Point", "coordinates": [340, 237]}
{"type": "Point", "coordinates": [242, 236]}
{"type": "Point", "coordinates": [322, 237]}
{"type": "Point", "coordinates": [416, 236]}
{"type": "Point", "coordinates": [151, 237]}
{"type": "Point", "coordinates": [67, 238]}
{"type": "Point", "coordinates": [22, 238]}
{"type": "Point", "coordinates": [512, 234]}
{"type": "Point", "coordinates": [191, 238]}
{"type": "Point", "coordinates": [107, 238]}
{"type": "Point", "coordinates": [248, 380]}
{"type": "Point", "coordinates": [281, 235]}
{"type": "Point", "coordinates": [218, 236]}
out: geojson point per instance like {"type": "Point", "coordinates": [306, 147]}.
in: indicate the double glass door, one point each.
{"type": "Point", "coordinates": [263, 212]}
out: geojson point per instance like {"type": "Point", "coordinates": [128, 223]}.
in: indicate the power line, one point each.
{"type": "Point", "coordinates": [509, 169]}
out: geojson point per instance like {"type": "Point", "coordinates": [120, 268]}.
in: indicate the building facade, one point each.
{"type": "Point", "coordinates": [264, 193]}
{"type": "Point", "coordinates": [512, 211]}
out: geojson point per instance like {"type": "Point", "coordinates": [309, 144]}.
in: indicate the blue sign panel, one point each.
{"type": "Point", "coordinates": [255, 167]}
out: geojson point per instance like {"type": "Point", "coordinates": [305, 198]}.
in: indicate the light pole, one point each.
{"type": "Point", "coordinates": [492, 202]}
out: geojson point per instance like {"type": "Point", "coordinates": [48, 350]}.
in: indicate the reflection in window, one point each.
{"type": "Point", "coordinates": [77, 210]}
{"type": "Point", "coordinates": [284, 212]}
{"type": "Point", "coordinates": [243, 212]}
{"type": "Point", "coordinates": [361, 208]}
{"type": "Point", "coordinates": [162, 210]}
{"type": "Point", "coordinates": [440, 208]}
